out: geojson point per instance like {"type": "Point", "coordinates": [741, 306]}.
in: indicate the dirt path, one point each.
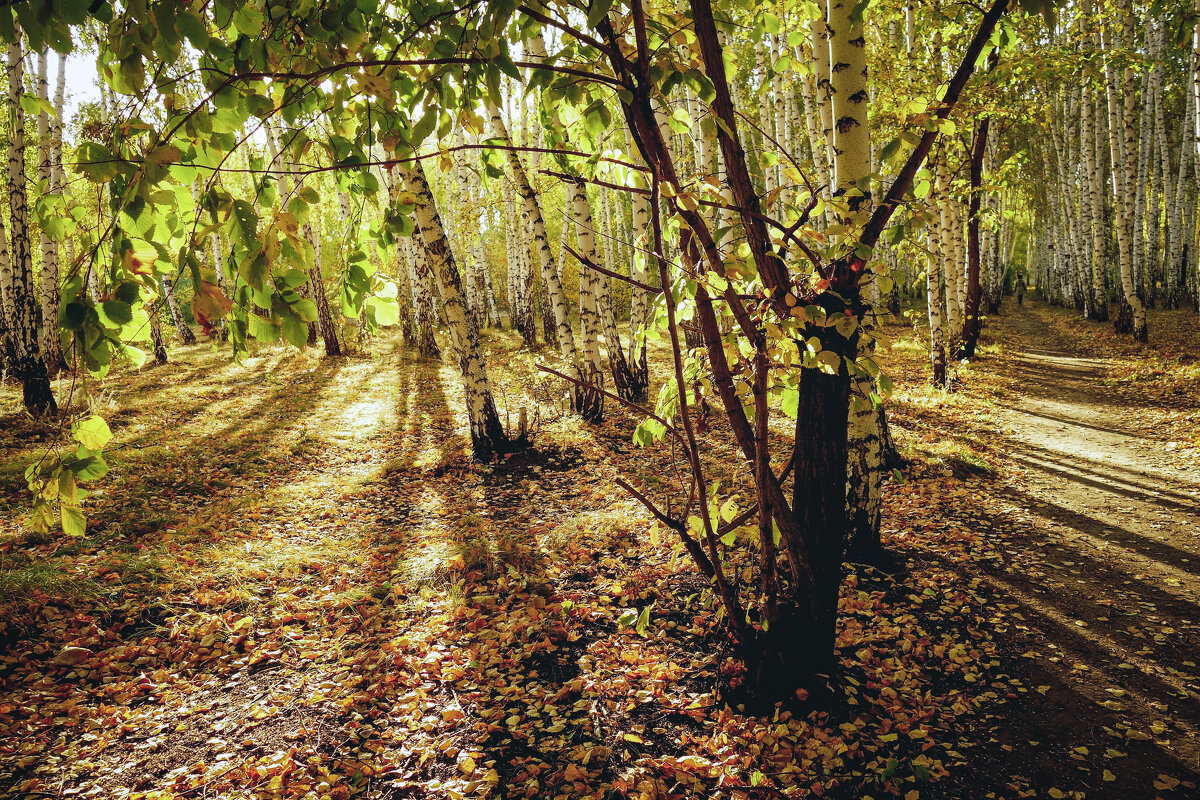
{"type": "Point", "coordinates": [1105, 577]}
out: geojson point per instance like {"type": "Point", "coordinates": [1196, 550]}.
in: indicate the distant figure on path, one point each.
{"type": "Point", "coordinates": [1020, 289]}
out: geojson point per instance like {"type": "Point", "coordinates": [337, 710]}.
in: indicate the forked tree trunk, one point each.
{"type": "Point", "coordinates": [639, 298]}
{"type": "Point", "coordinates": [866, 424]}
{"type": "Point", "coordinates": [598, 290]}
{"type": "Point", "coordinates": [487, 434]}
{"type": "Point", "coordinates": [156, 335]}
{"type": "Point", "coordinates": [974, 286]}
{"type": "Point", "coordinates": [168, 291]}
{"type": "Point", "coordinates": [325, 326]}
{"type": "Point", "coordinates": [424, 312]}
{"type": "Point", "coordinates": [933, 296]}
{"type": "Point", "coordinates": [1095, 301]}
{"type": "Point", "coordinates": [949, 262]}
{"type": "Point", "coordinates": [1122, 207]}
{"type": "Point", "coordinates": [589, 306]}
{"type": "Point", "coordinates": [520, 298]}
{"type": "Point", "coordinates": [474, 195]}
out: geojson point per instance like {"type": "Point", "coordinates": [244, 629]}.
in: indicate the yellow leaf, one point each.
{"type": "Point", "coordinates": [1108, 776]}
{"type": "Point", "coordinates": [467, 765]}
{"type": "Point", "coordinates": [1057, 794]}
{"type": "Point", "coordinates": [1165, 782]}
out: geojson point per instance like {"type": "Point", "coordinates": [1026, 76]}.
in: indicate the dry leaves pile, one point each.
{"type": "Point", "coordinates": [297, 586]}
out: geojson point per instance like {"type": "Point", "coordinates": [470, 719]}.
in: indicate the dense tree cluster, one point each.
{"type": "Point", "coordinates": [752, 184]}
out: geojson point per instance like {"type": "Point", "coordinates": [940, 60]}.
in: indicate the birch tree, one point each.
{"type": "Point", "coordinates": [487, 434]}
{"type": "Point", "coordinates": [21, 298]}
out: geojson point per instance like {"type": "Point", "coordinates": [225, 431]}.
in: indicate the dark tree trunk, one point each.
{"type": "Point", "coordinates": [974, 288]}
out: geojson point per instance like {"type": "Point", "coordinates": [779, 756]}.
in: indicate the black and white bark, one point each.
{"type": "Point", "coordinates": [25, 357]}
{"type": "Point", "coordinates": [487, 434]}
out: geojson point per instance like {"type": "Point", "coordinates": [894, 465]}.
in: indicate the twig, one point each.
{"type": "Point", "coordinates": [587, 262]}
{"type": "Point", "coordinates": [612, 396]}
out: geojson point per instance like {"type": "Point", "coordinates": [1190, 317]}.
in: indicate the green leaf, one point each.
{"type": "Point", "coordinates": [306, 309]}
{"type": "Point", "coordinates": [127, 292]}
{"type": "Point", "coordinates": [96, 162]}
{"type": "Point", "coordinates": [91, 468]}
{"type": "Point", "coordinates": [74, 523]}
{"type": "Point", "coordinates": [598, 11]}
{"type": "Point", "coordinates": [264, 329]}
{"type": "Point", "coordinates": [243, 224]}
{"type": "Point", "coordinates": [34, 105]}
{"type": "Point", "coordinates": [293, 278]}
{"type": "Point", "coordinates": [167, 154]}
{"type": "Point", "coordinates": [728, 510]}
{"type": "Point", "coordinates": [422, 129]}
{"type": "Point", "coordinates": [889, 151]}
{"type": "Point", "coordinates": [256, 270]}
{"type": "Point", "coordinates": [93, 433]}
{"type": "Point", "coordinates": [116, 313]}
{"type": "Point", "coordinates": [643, 621]}
{"type": "Point", "coordinates": [648, 432]}
{"type": "Point", "coordinates": [790, 405]}
{"type": "Point", "coordinates": [295, 330]}
{"type": "Point", "coordinates": [73, 315]}
{"type": "Point", "coordinates": [830, 361]}
{"type": "Point", "coordinates": [386, 313]}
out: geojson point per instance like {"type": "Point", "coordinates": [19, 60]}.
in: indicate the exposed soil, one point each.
{"type": "Point", "coordinates": [1103, 569]}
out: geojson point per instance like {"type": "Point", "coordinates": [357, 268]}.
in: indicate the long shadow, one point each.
{"type": "Point", "coordinates": [1074, 642]}
{"type": "Point", "coordinates": [1126, 474]}
{"type": "Point", "coordinates": [1032, 732]}
{"type": "Point", "coordinates": [1178, 559]}
{"type": "Point", "coordinates": [1132, 434]}
{"type": "Point", "coordinates": [500, 589]}
{"type": "Point", "coordinates": [174, 480]}
{"type": "Point", "coordinates": [244, 437]}
{"type": "Point", "coordinates": [1075, 472]}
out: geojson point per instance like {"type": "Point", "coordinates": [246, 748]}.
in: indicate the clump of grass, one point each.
{"type": "Point", "coordinates": [22, 579]}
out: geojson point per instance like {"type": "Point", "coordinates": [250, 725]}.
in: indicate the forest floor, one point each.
{"type": "Point", "coordinates": [294, 584]}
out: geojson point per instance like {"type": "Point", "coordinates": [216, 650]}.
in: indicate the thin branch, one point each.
{"type": "Point", "coordinates": [360, 165]}
{"type": "Point", "coordinates": [574, 33]}
{"type": "Point", "coordinates": [587, 262]}
{"type": "Point", "coordinates": [407, 62]}
{"type": "Point", "coordinates": [611, 396]}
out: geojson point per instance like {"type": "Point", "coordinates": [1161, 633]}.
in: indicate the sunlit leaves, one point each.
{"type": "Point", "coordinates": [209, 305]}
{"type": "Point", "coordinates": [96, 162]}
{"type": "Point", "coordinates": [92, 432]}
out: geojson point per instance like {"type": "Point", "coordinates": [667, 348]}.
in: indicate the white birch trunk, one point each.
{"type": "Point", "coordinates": [487, 434]}
{"type": "Point", "coordinates": [1122, 209]}
{"type": "Point", "coordinates": [1095, 300]}
{"type": "Point", "coordinates": [541, 246]}
{"type": "Point", "coordinates": [25, 358]}
{"type": "Point", "coordinates": [52, 353]}
{"type": "Point", "coordinates": [589, 288]}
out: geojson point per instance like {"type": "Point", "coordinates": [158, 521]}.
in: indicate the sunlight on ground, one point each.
{"type": "Point", "coordinates": [360, 404]}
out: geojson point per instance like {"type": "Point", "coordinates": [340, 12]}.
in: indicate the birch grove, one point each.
{"type": "Point", "coordinates": [691, 220]}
